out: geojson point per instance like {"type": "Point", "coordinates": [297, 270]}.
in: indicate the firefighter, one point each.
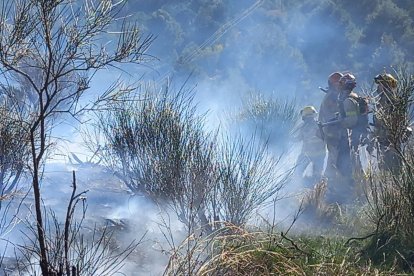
{"type": "Point", "coordinates": [329, 111]}
{"type": "Point", "coordinates": [353, 111]}
{"type": "Point", "coordinates": [313, 147]}
{"type": "Point", "coordinates": [388, 122]}
{"type": "Point", "coordinates": [341, 185]}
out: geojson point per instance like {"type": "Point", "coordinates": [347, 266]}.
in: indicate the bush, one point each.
{"type": "Point", "coordinates": [249, 176]}
{"type": "Point", "coordinates": [391, 188]}
{"type": "Point", "coordinates": [14, 149]}
{"type": "Point", "coordinates": [391, 202]}
{"type": "Point", "coordinates": [272, 118]}
{"type": "Point", "coordinates": [157, 145]}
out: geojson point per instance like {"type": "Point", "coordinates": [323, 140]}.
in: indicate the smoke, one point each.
{"type": "Point", "coordinates": [131, 218]}
{"type": "Point", "coordinates": [277, 46]}
{"type": "Point", "coordinates": [228, 49]}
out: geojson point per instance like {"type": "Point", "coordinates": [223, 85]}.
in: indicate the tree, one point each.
{"type": "Point", "coordinates": [54, 48]}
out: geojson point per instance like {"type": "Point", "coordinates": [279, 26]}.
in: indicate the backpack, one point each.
{"type": "Point", "coordinates": [363, 105]}
{"type": "Point", "coordinates": [363, 111]}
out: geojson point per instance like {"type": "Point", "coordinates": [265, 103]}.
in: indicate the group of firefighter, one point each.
{"type": "Point", "coordinates": [344, 125]}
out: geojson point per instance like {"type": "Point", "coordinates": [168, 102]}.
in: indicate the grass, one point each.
{"type": "Point", "coordinates": [241, 251]}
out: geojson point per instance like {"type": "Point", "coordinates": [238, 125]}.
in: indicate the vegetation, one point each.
{"type": "Point", "coordinates": [49, 50]}
{"type": "Point", "coordinates": [390, 190]}
{"type": "Point", "coordinates": [273, 119]}
{"type": "Point", "coordinates": [236, 251]}
{"type": "Point", "coordinates": [14, 148]}
{"type": "Point", "coordinates": [158, 147]}
{"type": "Point", "coordinates": [297, 44]}
{"type": "Point", "coordinates": [155, 140]}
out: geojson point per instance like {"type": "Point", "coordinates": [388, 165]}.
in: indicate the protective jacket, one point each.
{"type": "Point", "coordinates": [312, 143]}
{"type": "Point", "coordinates": [328, 111]}
{"type": "Point", "coordinates": [313, 150]}
{"type": "Point", "coordinates": [349, 111]}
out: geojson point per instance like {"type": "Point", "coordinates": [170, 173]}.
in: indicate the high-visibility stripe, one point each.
{"type": "Point", "coordinates": [351, 113]}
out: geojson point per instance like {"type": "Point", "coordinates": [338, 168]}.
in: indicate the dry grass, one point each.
{"type": "Point", "coordinates": [317, 209]}
{"type": "Point", "coordinates": [233, 251]}
{"type": "Point", "coordinates": [239, 251]}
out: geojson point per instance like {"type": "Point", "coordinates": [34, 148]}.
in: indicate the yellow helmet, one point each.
{"type": "Point", "coordinates": [308, 111]}
{"type": "Point", "coordinates": [386, 80]}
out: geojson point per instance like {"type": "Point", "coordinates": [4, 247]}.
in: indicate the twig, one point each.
{"type": "Point", "coordinates": [359, 238]}
{"type": "Point", "coordinates": [294, 244]}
